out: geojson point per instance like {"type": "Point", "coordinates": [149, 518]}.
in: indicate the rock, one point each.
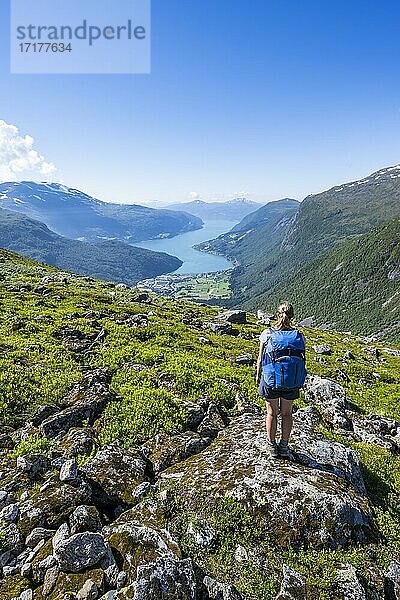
{"type": "Point", "coordinates": [52, 508]}
{"type": "Point", "coordinates": [138, 543]}
{"type": "Point", "coordinates": [293, 586]}
{"type": "Point", "coordinates": [238, 317]}
{"type": "Point", "coordinates": [219, 328]}
{"type": "Point", "coordinates": [330, 398]}
{"type": "Point", "coordinates": [117, 471]}
{"type": "Point", "coordinates": [33, 465]}
{"type": "Point", "coordinates": [11, 538]}
{"type": "Point", "coordinates": [69, 472]}
{"type": "Point", "coordinates": [348, 355]}
{"type": "Point", "coordinates": [89, 591]}
{"type": "Point", "coordinates": [373, 351]}
{"type": "Point", "coordinates": [121, 579]}
{"type": "Point", "coordinates": [212, 422]}
{"type": "Point", "coordinates": [243, 405]}
{"type": "Point", "coordinates": [80, 551]}
{"type": "Point", "coordinates": [166, 450]}
{"type": "Point", "coordinates": [73, 416]}
{"type": "Point", "coordinates": [26, 595]}
{"type": "Point", "coordinates": [245, 359]}
{"type": "Point", "coordinates": [201, 533]}
{"type": "Point", "coordinates": [322, 349]}
{"type": "Point", "coordinates": [392, 581]}
{"type": "Point", "coordinates": [85, 402]}
{"type": "Point", "coordinates": [204, 341]}
{"type": "Point", "coordinates": [331, 457]}
{"type": "Point", "coordinates": [295, 504]}
{"type": "Point", "coordinates": [166, 579]}
{"type": "Point", "coordinates": [138, 320]}
{"type": "Point", "coordinates": [142, 490]}
{"type": "Point", "coordinates": [194, 414]}
{"type": "Point", "coordinates": [264, 318]}
{"type": "Point", "coordinates": [43, 562]}
{"type": "Point", "coordinates": [62, 534]}
{"type": "Point", "coordinates": [5, 499]}
{"type": "Point", "coordinates": [307, 322]}
{"type": "Point", "coordinates": [85, 518]}
{"type": "Point", "coordinates": [349, 583]}
{"type": "Point", "coordinates": [68, 585]}
{"type": "Point", "coordinates": [50, 580]}
{"type": "Point", "coordinates": [38, 534]}
{"type": "Point", "coordinates": [43, 412]}
{"type": "Point", "coordinates": [220, 591]}
{"type": "Point", "coordinates": [78, 440]}
{"type": "Point", "coordinates": [9, 513]}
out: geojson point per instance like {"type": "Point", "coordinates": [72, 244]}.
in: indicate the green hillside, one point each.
{"type": "Point", "coordinates": [111, 260]}
{"type": "Point", "coordinates": [159, 364]}
{"type": "Point", "coordinates": [256, 234]}
{"type": "Point", "coordinates": [355, 286]}
{"type": "Point", "coordinates": [322, 221]}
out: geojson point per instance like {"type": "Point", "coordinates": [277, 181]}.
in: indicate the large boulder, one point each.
{"type": "Point", "coordinates": [330, 398]}
{"type": "Point", "coordinates": [166, 579]}
{"type": "Point", "coordinates": [293, 586]}
{"type": "Point", "coordinates": [116, 471]}
{"type": "Point", "coordinates": [52, 504]}
{"type": "Point", "coordinates": [80, 551]}
{"type": "Point", "coordinates": [84, 403]}
{"type": "Point", "coordinates": [166, 450]}
{"type": "Point", "coordinates": [316, 500]}
{"type": "Point", "coordinates": [238, 317]}
{"type": "Point", "coordinates": [139, 542]}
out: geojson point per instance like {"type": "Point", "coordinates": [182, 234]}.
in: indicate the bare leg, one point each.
{"type": "Point", "coordinates": [272, 417]}
{"type": "Point", "coordinates": [287, 419]}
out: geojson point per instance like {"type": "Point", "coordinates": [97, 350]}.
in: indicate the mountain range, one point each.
{"type": "Point", "coordinates": [232, 210]}
{"type": "Point", "coordinates": [76, 215]}
{"type": "Point", "coordinates": [109, 260]}
{"type": "Point", "coordinates": [274, 257]}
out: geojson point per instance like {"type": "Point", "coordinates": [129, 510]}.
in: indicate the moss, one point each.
{"type": "Point", "coordinates": [71, 583]}
{"type": "Point", "coordinates": [13, 586]}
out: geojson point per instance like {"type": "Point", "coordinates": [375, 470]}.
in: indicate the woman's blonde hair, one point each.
{"type": "Point", "coordinates": [285, 315]}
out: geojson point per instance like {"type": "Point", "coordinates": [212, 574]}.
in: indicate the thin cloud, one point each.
{"type": "Point", "coordinates": [18, 158]}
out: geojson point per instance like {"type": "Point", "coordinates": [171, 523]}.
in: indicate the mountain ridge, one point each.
{"type": "Point", "coordinates": [109, 260]}
{"type": "Point", "coordinates": [74, 214]}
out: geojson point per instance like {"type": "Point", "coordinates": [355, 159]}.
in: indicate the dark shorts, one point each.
{"type": "Point", "coordinates": [272, 394]}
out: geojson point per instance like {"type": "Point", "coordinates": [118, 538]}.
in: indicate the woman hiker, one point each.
{"type": "Point", "coordinates": [280, 375]}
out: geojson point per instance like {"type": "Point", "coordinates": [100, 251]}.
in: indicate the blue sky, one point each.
{"type": "Point", "coordinates": [266, 97]}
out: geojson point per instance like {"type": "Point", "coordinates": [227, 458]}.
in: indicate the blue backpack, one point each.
{"type": "Point", "coordinates": [283, 360]}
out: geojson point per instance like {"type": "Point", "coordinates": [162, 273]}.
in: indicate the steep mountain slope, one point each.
{"type": "Point", "coordinates": [110, 260]}
{"type": "Point", "coordinates": [132, 453]}
{"type": "Point", "coordinates": [232, 210]}
{"type": "Point", "coordinates": [256, 233]}
{"type": "Point", "coordinates": [322, 221]}
{"type": "Point", "coordinates": [356, 285]}
{"type": "Point", "coordinates": [73, 214]}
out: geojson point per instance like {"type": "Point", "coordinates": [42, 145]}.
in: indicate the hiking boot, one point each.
{"type": "Point", "coordinates": [283, 450]}
{"type": "Point", "coordinates": [272, 449]}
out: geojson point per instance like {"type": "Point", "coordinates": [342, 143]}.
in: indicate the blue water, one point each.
{"type": "Point", "coordinates": [193, 260]}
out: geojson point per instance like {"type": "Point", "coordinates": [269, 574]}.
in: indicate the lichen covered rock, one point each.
{"type": "Point", "coordinates": [117, 471]}
{"type": "Point", "coordinates": [297, 505]}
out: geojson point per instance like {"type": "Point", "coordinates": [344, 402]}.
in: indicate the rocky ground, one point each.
{"type": "Point", "coordinates": [111, 527]}
{"type": "Point", "coordinates": [133, 458]}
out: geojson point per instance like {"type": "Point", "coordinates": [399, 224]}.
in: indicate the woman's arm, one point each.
{"type": "Point", "coordinates": [259, 360]}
